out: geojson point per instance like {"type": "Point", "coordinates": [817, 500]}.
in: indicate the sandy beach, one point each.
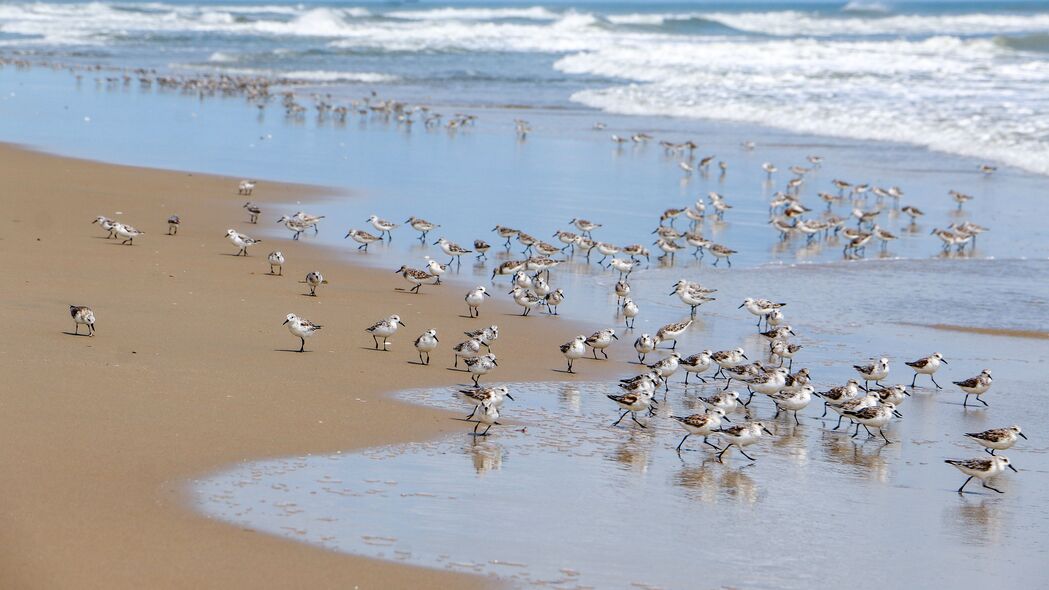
{"type": "Point", "coordinates": [190, 372]}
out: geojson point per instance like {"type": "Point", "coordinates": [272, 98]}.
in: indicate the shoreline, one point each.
{"type": "Point", "coordinates": [105, 435]}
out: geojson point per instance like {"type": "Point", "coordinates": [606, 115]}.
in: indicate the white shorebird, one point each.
{"type": "Point", "coordinates": [666, 368]}
{"type": "Point", "coordinates": [769, 169]}
{"type": "Point", "coordinates": [253, 212]}
{"type": "Point", "coordinates": [585, 226]}
{"type": "Point", "coordinates": [296, 226]}
{"type": "Point", "coordinates": [725, 400]}
{"type": "Point", "coordinates": [720, 252]}
{"type": "Point", "coordinates": [727, 359]}
{"type": "Point", "coordinates": [436, 269]}
{"type": "Point", "coordinates": [526, 299]}
{"type": "Point", "coordinates": [452, 249]}
{"type": "Point", "coordinates": [241, 241]}
{"type": "Point", "coordinates": [742, 436]}
{"type": "Point", "coordinates": [762, 308]}
{"type": "Point", "coordinates": [82, 315]}
{"type": "Point", "coordinates": [416, 277]}
{"type": "Point", "coordinates": [996, 439]}
{"type": "Point", "coordinates": [875, 371]}
{"type": "Point", "coordinates": [622, 289]}
{"type": "Point", "coordinates": [853, 405]}
{"type": "Point", "coordinates": [486, 335]}
{"type": "Point", "coordinates": [982, 469]}
{"type": "Point", "coordinates": [691, 295]}
{"type": "Point", "coordinates": [363, 238]}
{"type": "Point", "coordinates": [600, 340]}
{"type": "Point", "coordinates": [672, 332]}
{"type": "Point", "coordinates": [782, 349]}
{"type": "Point", "coordinates": [422, 226]}
{"type": "Point", "coordinates": [384, 329]}
{"type": "Point", "coordinates": [382, 226]}
{"type": "Point", "coordinates": [927, 366]}
{"type": "Point", "coordinates": [313, 280]}
{"type": "Point", "coordinates": [696, 364]}
{"type": "Point", "coordinates": [474, 298]}
{"type": "Point", "coordinates": [467, 349]}
{"type": "Point", "coordinates": [625, 267]}
{"type": "Point", "coordinates": [793, 401]}
{"type": "Point", "coordinates": [631, 403]}
{"type": "Point", "coordinates": [701, 425]}
{"type": "Point", "coordinates": [245, 187]}
{"type": "Point", "coordinates": [492, 395]}
{"type": "Point", "coordinates": [276, 260]}
{"type": "Point", "coordinates": [425, 344]}
{"type": "Point", "coordinates": [480, 365]}
{"type": "Point", "coordinates": [574, 350]}
{"type": "Point", "coordinates": [173, 223]}
{"type": "Point", "coordinates": [877, 416]}
{"type": "Point", "coordinates": [489, 416]}
{"type": "Point", "coordinates": [977, 386]}
{"type": "Point", "coordinates": [553, 299]}
{"type": "Point", "coordinates": [107, 224]}
{"type": "Point", "coordinates": [482, 247]}
{"type": "Point", "coordinates": [837, 396]}
{"type": "Point", "coordinates": [127, 232]}
{"type": "Point", "coordinates": [300, 327]}
{"type": "Point", "coordinates": [644, 345]}
{"type": "Point", "coordinates": [630, 311]}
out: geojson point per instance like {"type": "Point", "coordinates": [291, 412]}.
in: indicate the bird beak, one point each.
{"type": "Point", "coordinates": [495, 363]}
{"type": "Point", "coordinates": [286, 321]}
{"type": "Point", "coordinates": [398, 270]}
{"type": "Point", "coordinates": [745, 356]}
{"type": "Point", "coordinates": [615, 337]}
{"type": "Point", "coordinates": [1013, 468]}
{"type": "Point", "coordinates": [741, 306]}
{"type": "Point", "coordinates": [671, 293]}
{"type": "Point", "coordinates": [792, 332]}
{"type": "Point", "coordinates": [435, 243]}
{"type": "Point", "coordinates": [897, 414]}
{"type": "Point", "coordinates": [511, 397]}
{"type": "Point", "coordinates": [401, 323]}
{"type": "Point", "coordinates": [347, 235]}
{"type": "Point", "coordinates": [766, 430]}
{"type": "Point", "coordinates": [1023, 435]}
{"type": "Point", "coordinates": [725, 418]}
{"type": "Point", "coordinates": [487, 294]}
{"type": "Point", "coordinates": [944, 361]}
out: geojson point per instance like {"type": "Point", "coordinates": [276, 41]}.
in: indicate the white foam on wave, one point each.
{"type": "Point", "coordinates": [531, 13]}
{"type": "Point", "coordinates": [300, 75]}
{"type": "Point", "coordinates": [954, 95]}
{"type": "Point", "coordinates": [790, 23]}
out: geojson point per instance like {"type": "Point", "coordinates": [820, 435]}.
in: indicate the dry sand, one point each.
{"type": "Point", "coordinates": [189, 372]}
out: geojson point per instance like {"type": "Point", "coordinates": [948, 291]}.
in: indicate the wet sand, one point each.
{"type": "Point", "coordinates": [190, 371]}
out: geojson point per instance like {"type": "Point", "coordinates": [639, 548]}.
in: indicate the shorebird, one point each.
{"type": "Point", "coordinates": [313, 280]}
{"type": "Point", "coordinates": [622, 289]}
{"type": "Point", "coordinates": [300, 327]}
{"type": "Point", "coordinates": [422, 226]}
{"type": "Point", "coordinates": [474, 298]}
{"type": "Point", "coordinates": [173, 223]}
{"type": "Point", "coordinates": [720, 252]}
{"type": "Point", "coordinates": [107, 224]}
{"type": "Point", "coordinates": [508, 268]}
{"type": "Point", "coordinates": [742, 436]}
{"type": "Point", "coordinates": [127, 232]}
{"type": "Point", "coordinates": [467, 349]}
{"type": "Point", "coordinates": [276, 260]}
{"type": "Point", "coordinates": [977, 386]}
{"type": "Point", "coordinates": [416, 277]}
{"type": "Point", "coordinates": [769, 169]}
{"type": "Point", "coordinates": [644, 345]}
{"type": "Point", "coordinates": [631, 403]}
{"type": "Point", "coordinates": [960, 198]}
{"type": "Point", "coordinates": [600, 340]}
{"type": "Point", "coordinates": [481, 247]}
{"type": "Point", "coordinates": [996, 439]}
{"type": "Point", "coordinates": [296, 226]}
{"type": "Point", "coordinates": [782, 349]}
{"type": "Point", "coordinates": [82, 315]}
{"type": "Point", "coordinates": [553, 299]}
{"type": "Point", "coordinates": [382, 226]}
{"type": "Point", "coordinates": [245, 187]}
{"type": "Point", "coordinates": [877, 416]}
{"type": "Point", "coordinates": [506, 232]}
{"type": "Point", "coordinates": [988, 169]}
{"type": "Point", "coordinates": [452, 249]}
{"type": "Point", "coordinates": [792, 401]}
{"type": "Point", "coordinates": [485, 335]}
{"type": "Point", "coordinates": [927, 366]}
{"type": "Point", "coordinates": [489, 416]}
{"type": "Point", "coordinates": [696, 364]}
{"type": "Point", "coordinates": [526, 299]}
{"type": "Point", "coordinates": [574, 350]}
{"type": "Point", "coordinates": [701, 425]}
{"type": "Point", "coordinates": [839, 395]}
{"type": "Point", "coordinates": [384, 329]}
{"type": "Point", "coordinates": [761, 308]}
{"type": "Point", "coordinates": [436, 269]}
{"type": "Point", "coordinates": [873, 372]}
{"type": "Point", "coordinates": [425, 344]}
{"type": "Point", "coordinates": [727, 359]}
{"type": "Point", "coordinates": [691, 295]}
{"type": "Point", "coordinates": [624, 267]}
{"type": "Point", "coordinates": [363, 238]}
{"type": "Point", "coordinates": [630, 311]}
{"type": "Point", "coordinates": [253, 212]}
{"type": "Point", "coordinates": [492, 395]}
{"type": "Point", "coordinates": [672, 332]}
{"type": "Point", "coordinates": [241, 241]}
{"type": "Point", "coordinates": [982, 469]}
{"type": "Point", "coordinates": [585, 226]}
{"type": "Point", "coordinates": [636, 251]}
{"type": "Point", "coordinates": [308, 220]}
{"type": "Point", "coordinates": [666, 368]}
{"type": "Point", "coordinates": [480, 365]}
{"type": "Point", "coordinates": [913, 212]}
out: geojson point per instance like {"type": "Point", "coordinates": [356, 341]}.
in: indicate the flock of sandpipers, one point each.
{"type": "Point", "coordinates": [870, 407]}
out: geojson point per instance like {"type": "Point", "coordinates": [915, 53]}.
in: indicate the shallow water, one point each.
{"type": "Point", "coordinates": [555, 496]}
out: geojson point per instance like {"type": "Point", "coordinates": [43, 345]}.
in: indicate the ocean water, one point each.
{"type": "Point", "coordinates": [960, 77]}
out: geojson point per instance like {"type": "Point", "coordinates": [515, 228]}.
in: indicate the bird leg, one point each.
{"type": "Point", "coordinates": [616, 423]}
{"type": "Point", "coordinates": [683, 441]}
{"type": "Point", "coordinates": [633, 417]}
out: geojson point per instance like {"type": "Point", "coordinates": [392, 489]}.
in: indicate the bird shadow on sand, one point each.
{"type": "Point", "coordinates": [74, 334]}
{"type": "Point", "coordinates": [291, 350]}
{"type": "Point", "coordinates": [373, 349]}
